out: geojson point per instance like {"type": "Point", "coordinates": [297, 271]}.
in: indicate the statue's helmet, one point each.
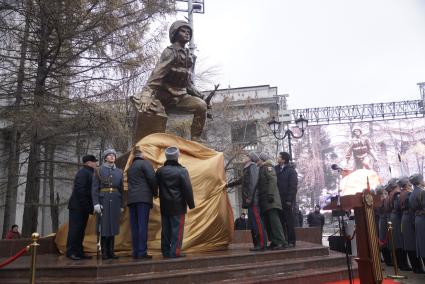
{"type": "Point", "coordinates": [176, 26]}
{"type": "Point", "coordinates": [356, 128]}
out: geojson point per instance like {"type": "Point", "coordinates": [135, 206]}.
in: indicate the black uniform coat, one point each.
{"type": "Point", "coordinates": [142, 186]}
{"type": "Point", "coordinates": [395, 218]}
{"type": "Point", "coordinates": [407, 223]}
{"type": "Point", "coordinates": [417, 202]}
{"type": "Point", "coordinates": [112, 202]}
{"type": "Point", "coordinates": [287, 182]}
{"type": "Point", "coordinates": [81, 199]}
{"type": "Point", "coordinates": [175, 189]}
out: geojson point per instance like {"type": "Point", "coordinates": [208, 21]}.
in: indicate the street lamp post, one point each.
{"type": "Point", "coordinates": [276, 128]}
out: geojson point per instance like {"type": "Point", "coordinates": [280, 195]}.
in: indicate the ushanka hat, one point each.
{"type": "Point", "coordinates": [172, 153]}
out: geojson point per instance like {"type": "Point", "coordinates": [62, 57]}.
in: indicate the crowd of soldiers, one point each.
{"type": "Point", "coordinates": [403, 204]}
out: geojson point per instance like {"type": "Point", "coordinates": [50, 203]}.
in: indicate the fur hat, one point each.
{"type": "Point", "coordinates": [264, 157]}
{"type": "Point", "coordinates": [89, 158]}
{"type": "Point", "coordinates": [403, 181]}
{"type": "Point", "coordinates": [392, 183]}
{"type": "Point", "coordinates": [108, 152]}
{"type": "Point", "coordinates": [253, 156]}
{"type": "Point", "coordinates": [137, 151]}
{"type": "Point", "coordinates": [172, 153]}
{"type": "Point", "coordinates": [416, 179]}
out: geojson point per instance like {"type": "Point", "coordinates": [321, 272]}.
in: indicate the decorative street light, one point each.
{"type": "Point", "coordinates": [276, 128]}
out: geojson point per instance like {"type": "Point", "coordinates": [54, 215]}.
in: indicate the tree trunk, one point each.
{"type": "Point", "coordinates": [54, 208]}
{"type": "Point", "coordinates": [32, 189]}
{"type": "Point", "coordinates": [12, 181]}
{"type": "Point", "coordinates": [14, 136]}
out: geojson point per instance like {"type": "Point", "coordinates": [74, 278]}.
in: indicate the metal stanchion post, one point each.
{"type": "Point", "coordinates": [33, 245]}
{"type": "Point", "coordinates": [394, 257]}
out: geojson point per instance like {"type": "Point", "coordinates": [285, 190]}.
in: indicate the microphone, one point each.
{"type": "Point", "coordinates": [335, 167]}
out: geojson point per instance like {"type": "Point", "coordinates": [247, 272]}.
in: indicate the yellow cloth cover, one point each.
{"type": "Point", "coordinates": [209, 226]}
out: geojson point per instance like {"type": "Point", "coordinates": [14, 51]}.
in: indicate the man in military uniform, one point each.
{"type": "Point", "coordinates": [417, 203]}
{"type": "Point", "coordinates": [80, 207]}
{"type": "Point", "coordinates": [408, 226]}
{"type": "Point", "coordinates": [384, 216]}
{"type": "Point", "coordinates": [175, 195]}
{"type": "Point", "coordinates": [270, 203]}
{"type": "Point", "coordinates": [361, 149]}
{"type": "Point", "coordinates": [394, 187]}
{"type": "Point", "coordinates": [249, 182]}
{"type": "Point", "coordinates": [170, 87]}
{"type": "Point", "coordinates": [107, 195]}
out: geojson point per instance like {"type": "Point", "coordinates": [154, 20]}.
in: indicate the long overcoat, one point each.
{"type": "Point", "coordinates": [384, 217]}
{"type": "Point", "coordinates": [417, 202]}
{"type": "Point", "coordinates": [268, 192]}
{"type": "Point", "coordinates": [407, 223]}
{"type": "Point", "coordinates": [111, 201]}
{"type": "Point", "coordinates": [395, 219]}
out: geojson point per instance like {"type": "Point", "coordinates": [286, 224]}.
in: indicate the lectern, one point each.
{"type": "Point", "coordinates": [368, 260]}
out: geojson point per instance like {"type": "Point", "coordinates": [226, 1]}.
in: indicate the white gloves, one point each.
{"type": "Point", "coordinates": [97, 209]}
{"type": "Point", "coordinates": [122, 210]}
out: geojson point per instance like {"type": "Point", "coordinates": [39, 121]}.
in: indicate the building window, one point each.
{"type": "Point", "coordinates": [244, 132]}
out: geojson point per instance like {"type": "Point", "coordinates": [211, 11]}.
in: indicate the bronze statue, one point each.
{"type": "Point", "coordinates": [361, 149]}
{"type": "Point", "coordinates": [170, 87]}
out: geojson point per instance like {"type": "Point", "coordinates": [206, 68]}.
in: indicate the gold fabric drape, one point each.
{"type": "Point", "coordinates": [209, 226]}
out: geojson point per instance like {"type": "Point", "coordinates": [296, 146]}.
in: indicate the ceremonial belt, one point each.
{"type": "Point", "coordinates": [108, 189]}
{"type": "Point", "coordinates": [420, 212]}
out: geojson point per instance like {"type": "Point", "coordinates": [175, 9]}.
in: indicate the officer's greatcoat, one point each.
{"type": "Point", "coordinates": [417, 203]}
{"type": "Point", "coordinates": [107, 190]}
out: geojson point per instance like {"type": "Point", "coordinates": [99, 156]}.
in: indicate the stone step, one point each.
{"type": "Point", "coordinates": [60, 266]}
{"type": "Point", "coordinates": [307, 276]}
{"type": "Point", "coordinates": [232, 272]}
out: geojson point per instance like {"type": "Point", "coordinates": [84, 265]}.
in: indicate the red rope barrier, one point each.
{"type": "Point", "coordinates": [384, 242]}
{"type": "Point", "coordinates": [16, 256]}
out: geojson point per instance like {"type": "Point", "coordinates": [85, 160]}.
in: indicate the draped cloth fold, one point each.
{"type": "Point", "coordinates": [208, 227]}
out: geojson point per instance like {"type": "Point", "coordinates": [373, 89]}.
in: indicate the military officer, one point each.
{"type": "Point", "coordinates": [249, 182]}
{"type": "Point", "coordinates": [170, 85]}
{"type": "Point", "coordinates": [384, 216]}
{"type": "Point", "coordinates": [270, 203]}
{"type": "Point", "coordinates": [417, 203]}
{"type": "Point", "coordinates": [107, 195]}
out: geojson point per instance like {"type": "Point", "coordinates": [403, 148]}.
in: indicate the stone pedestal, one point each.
{"type": "Point", "coordinates": [148, 124]}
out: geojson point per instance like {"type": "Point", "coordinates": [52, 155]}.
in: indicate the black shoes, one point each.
{"type": "Point", "coordinates": [279, 247]}
{"type": "Point", "coordinates": [74, 257]}
{"type": "Point", "coordinates": [257, 249]}
{"type": "Point", "coordinates": [85, 256]}
{"type": "Point", "coordinates": [146, 256]}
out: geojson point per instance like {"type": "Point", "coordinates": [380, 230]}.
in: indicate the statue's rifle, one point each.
{"type": "Point", "coordinates": [209, 98]}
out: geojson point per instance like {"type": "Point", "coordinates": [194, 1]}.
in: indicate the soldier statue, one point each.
{"type": "Point", "coordinates": [360, 149]}
{"type": "Point", "coordinates": [170, 87]}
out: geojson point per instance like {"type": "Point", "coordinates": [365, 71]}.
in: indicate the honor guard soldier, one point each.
{"type": "Point", "coordinates": [107, 194]}
{"type": "Point", "coordinates": [417, 203]}
{"type": "Point", "coordinates": [408, 226]}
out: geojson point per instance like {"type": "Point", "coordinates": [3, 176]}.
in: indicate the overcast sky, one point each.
{"type": "Point", "coordinates": [320, 52]}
